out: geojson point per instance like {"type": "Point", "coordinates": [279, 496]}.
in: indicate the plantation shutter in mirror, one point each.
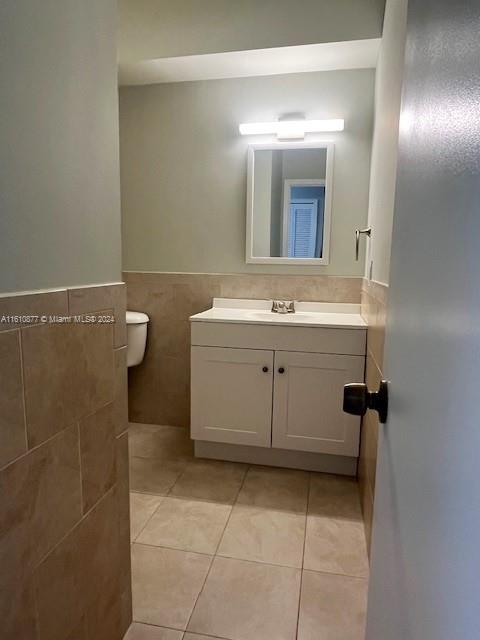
{"type": "Point", "coordinates": [302, 235]}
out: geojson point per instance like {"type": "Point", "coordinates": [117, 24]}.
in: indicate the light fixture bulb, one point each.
{"type": "Point", "coordinates": [291, 128]}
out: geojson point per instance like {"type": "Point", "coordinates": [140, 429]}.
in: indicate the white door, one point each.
{"type": "Point", "coordinates": [425, 565]}
{"type": "Point", "coordinates": [307, 402]}
{"type": "Point", "coordinates": [231, 395]}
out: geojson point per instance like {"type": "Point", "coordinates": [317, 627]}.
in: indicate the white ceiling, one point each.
{"type": "Point", "coordinates": [330, 56]}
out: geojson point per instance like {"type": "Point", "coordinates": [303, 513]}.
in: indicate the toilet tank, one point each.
{"type": "Point", "coordinates": [137, 323]}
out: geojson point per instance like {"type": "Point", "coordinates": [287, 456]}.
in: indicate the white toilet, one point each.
{"type": "Point", "coordinates": [136, 337]}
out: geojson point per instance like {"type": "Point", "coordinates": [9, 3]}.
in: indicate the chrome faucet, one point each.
{"type": "Point", "coordinates": [283, 306]}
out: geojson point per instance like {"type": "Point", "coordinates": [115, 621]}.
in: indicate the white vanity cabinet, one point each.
{"type": "Point", "coordinates": [281, 399]}
{"type": "Point", "coordinates": [307, 402]}
{"type": "Point", "coordinates": [275, 383]}
{"type": "Point", "coordinates": [231, 395]}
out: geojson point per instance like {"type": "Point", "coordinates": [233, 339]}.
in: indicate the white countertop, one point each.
{"type": "Point", "coordinates": [307, 314]}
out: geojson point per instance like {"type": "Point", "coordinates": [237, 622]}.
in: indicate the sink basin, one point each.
{"type": "Point", "coordinates": [279, 317]}
{"type": "Point", "coordinates": [263, 315]}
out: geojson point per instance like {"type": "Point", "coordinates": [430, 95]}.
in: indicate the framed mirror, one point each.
{"type": "Point", "coordinates": [289, 203]}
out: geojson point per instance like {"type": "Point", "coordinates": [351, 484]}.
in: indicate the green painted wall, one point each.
{"type": "Point", "coordinates": [184, 167]}
{"type": "Point", "coordinates": [59, 162]}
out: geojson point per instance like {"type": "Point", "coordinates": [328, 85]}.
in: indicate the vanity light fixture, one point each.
{"type": "Point", "coordinates": [291, 129]}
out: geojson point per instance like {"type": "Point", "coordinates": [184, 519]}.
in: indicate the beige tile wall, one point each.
{"type": "Point", "coordinates": [64, 508]}
{"type": "Point", "coordinates": [374, 310]}
{"type": "Point", "coordinates": [159, 387]}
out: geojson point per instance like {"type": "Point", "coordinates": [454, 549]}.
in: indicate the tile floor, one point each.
{"type": "Point", "coordinates": [229, 551]}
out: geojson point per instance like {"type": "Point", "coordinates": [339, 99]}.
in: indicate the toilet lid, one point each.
{"type": "Point", "coordinates": [136, 317]}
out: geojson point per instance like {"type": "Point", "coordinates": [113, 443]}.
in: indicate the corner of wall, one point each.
{"type": "Point", "coordinates": [64, 464]}
{"type": "Point", "coordinates": [374, 303]}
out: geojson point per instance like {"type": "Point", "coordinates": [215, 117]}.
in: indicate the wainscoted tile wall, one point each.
{"type": "Point", "coordinates": [159, 387]}
{"type": "Point", "coordinates": [64, 489]}
{"type": "Point", "coordinates": [374, 310]}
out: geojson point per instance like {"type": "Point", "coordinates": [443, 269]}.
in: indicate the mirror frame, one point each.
{"type": "Point", "coordinates": [327, 215]}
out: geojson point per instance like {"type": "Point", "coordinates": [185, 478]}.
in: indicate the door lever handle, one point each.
{"type": "Point", "coordinates": [367, 232]}
{"type": "Point", "coordinates": [357, 399]}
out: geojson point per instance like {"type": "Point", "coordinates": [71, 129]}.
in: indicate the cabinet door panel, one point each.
{"type": "Point", "coordinates": [232, 395]}
{"type": "Point", "coordinates": [308, 399]}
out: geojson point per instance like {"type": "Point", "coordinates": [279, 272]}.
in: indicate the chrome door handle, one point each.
{"type": "Point", "coordinates": [367, 232]}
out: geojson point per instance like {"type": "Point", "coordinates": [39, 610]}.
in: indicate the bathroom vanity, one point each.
{"type": "Point", "coordinates": [267, 388]}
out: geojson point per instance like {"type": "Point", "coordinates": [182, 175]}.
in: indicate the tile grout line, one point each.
{"type": "Point", "coordinates": [338, 575]}
{"type": "Point", "coordinates": [52, 437]}
{"type": "Point", "coordinates": [210, 501]}
{"type": "Point", "coordinates": [206, 635]}
{"type": "Point", "coordinates": [24, 390]}
{"type": "Point", "coordinates": [75, 526]}
{"type": "Point", "coordinates": [153, 493]}
{"type": "Point", "coordinates": [303, 554]}
{"type": "Point", "coordinates": [184, 633]}
{"type": "Point", "coordinates": [235, 502]}
{"type": "Point", "coordinates": [247, 469]}
{"type": "Point", "coordinates": [215, 554]}
{"type": "Point", "coordinates": [259, 562]}
{"type": "Point", "coordinates": [161, 546]}
{"type": "Point", "coordinates": [212, 558]}
{"type": "Point", "coordinates": [162, 498]}
{"type": "Point", "coordinates": [36, 608]}
{"type": "Point", "coordinates": [79, 447]}
{"type": "Point", "coordinates": [166, 495]}
{"type": "Point", "coordinates": [180, 475]}
{"type": "Point", "coordinates": [172, 496]}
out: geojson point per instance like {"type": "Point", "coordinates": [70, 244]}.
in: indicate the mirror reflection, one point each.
{"type": "Point", "coordinates": [289, 212]}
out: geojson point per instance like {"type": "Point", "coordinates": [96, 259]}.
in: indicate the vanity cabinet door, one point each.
{"type": "Point", "coordinates": [232, 395]}
{"type": "Point", "coordinates": [308, 400]}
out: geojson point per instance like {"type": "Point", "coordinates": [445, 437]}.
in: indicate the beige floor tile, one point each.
{"type": "Point", "coordinates": [155, 476]}
{"type": "Point", "coordinates": [336, 546]}
{"type": "Point", "coordinates": [262, 535]}
{"type": "Point", "coordinates": [248, 601]}
{"type": "Point", "coordinates": [142, 507]}
{"type": "Point", "coordinates": [334, 497]}
{"type": "Point", "coordinates": [211, 480]}
{"type": "Point", "coordinates": [278, 489]}
{"type": "Point", "coordinates": [332, 607]}
{"type": "Point", "coordinates": [153, 441]}
{"type": "Point", "coordinates": [140, 631]}
{"type": "Point", "coordinates": [190, 525]}
{"type": "Point", "coordinates": [166, 584]}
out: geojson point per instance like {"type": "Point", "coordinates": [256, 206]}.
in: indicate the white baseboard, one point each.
{"type": "Point", "coordinates": [304, 460]}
